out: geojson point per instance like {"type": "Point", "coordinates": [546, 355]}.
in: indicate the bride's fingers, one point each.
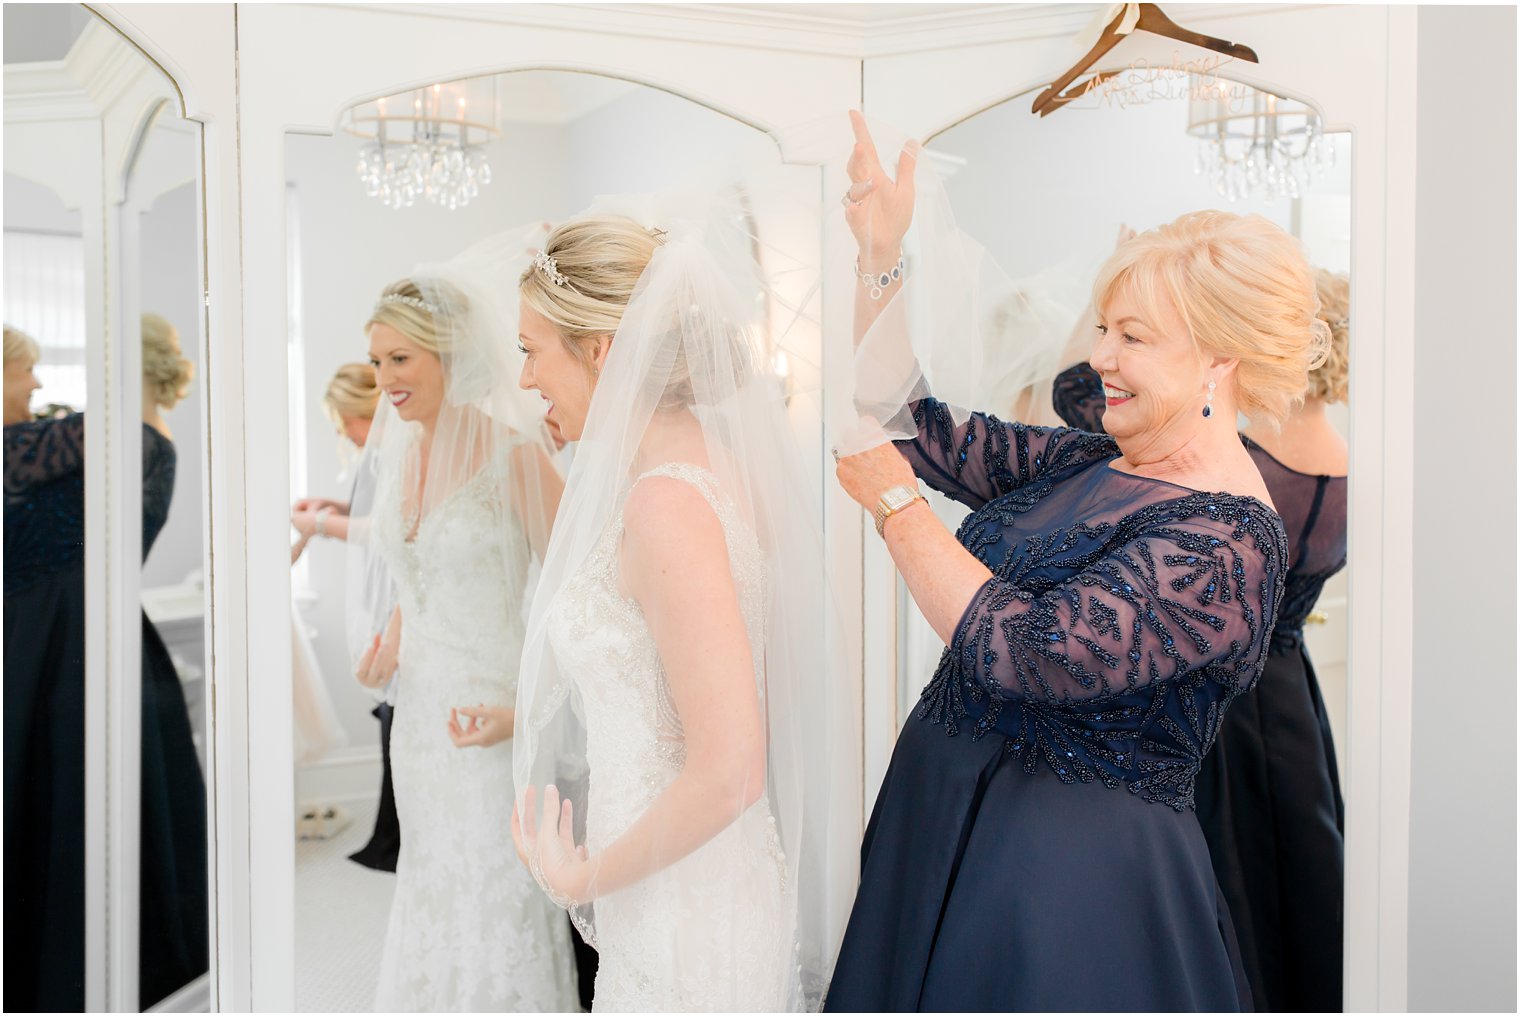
{"type": "Point", "coordinates": [529, 814]}
{"type": "Point", "coordinates": [551, 809]}
{"type": "Point", "coordinates": [567, 825]}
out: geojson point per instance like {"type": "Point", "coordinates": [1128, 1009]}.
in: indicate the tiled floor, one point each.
{"type": "Point", "coordinates": [341, 913]}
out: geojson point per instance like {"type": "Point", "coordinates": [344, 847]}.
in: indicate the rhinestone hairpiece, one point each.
{"type": "Point", "coordinates": [410, 301]}
{"type": "Point", "coordinates": [546, 264]}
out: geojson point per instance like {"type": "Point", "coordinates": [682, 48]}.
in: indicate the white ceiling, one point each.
{"type": "Point", "coordinates": [863, 14]}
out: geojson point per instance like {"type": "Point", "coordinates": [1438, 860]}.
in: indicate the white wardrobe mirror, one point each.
{"type": "Point", "coordinates": [1048, 197]}
{"type": "Point", "coordinates": [106, 665]}
{"type": "Point", "coordinates": [420, 176]}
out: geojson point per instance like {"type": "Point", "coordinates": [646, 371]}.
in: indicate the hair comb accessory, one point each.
{"type": "Point", "coordinates": [546, 264]}
{"type": "Point", "coordinates": [410, 301]}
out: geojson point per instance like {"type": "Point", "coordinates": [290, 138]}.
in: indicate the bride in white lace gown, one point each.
{"type": "Point", "coordinates": [674, 748]}
{"type": "Point", "coordinates": [468, 930]}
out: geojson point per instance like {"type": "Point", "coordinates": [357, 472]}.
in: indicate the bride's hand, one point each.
{"type": "Point", "coordinates": [545, 842]}
{"type": "Point", "coordinates": [879, 209]}
{"type": "Point", "coordinates": [482, 725]}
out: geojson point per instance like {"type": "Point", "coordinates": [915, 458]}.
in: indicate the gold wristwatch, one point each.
{"type": "Point", "coordinates": [892, 502]}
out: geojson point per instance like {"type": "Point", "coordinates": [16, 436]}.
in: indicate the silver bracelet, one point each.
{"type": "Point", "coordinates": [877, 283]}
{"type": "Point", "coordinates": [321, 526]}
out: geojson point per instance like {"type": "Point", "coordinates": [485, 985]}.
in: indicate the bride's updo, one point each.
{"type": "Point", "coordinates": [593, 265]}
{"type": "Point", "coordinates": [583, 281]}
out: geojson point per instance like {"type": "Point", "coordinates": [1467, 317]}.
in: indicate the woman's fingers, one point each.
{"type": "Point", "coordinates": [907, 162]}
{"type": "Point", "coordinates": [864, 144]}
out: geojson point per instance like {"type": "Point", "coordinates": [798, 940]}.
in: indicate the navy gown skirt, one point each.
{"type": "Point", "coordinates": [986, 888]}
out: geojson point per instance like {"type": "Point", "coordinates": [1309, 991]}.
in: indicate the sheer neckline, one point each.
{"type": "Point", "coordinates": [1287, 468]}
{"type": "Point", "coordinates": [1108, 464]}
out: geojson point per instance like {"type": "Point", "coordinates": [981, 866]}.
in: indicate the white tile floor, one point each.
{"type": "Point", "coordinates": [341, 913]}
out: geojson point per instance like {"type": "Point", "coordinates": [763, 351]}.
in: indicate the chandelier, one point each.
{"type": "Point", "coordinates": [1252, 142]}
{"type": "Point", "coordinates": [427, 144]}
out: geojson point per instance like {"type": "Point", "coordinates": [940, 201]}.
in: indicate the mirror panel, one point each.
{"type": "Point", "coordinates": [356, 221]}
{"type": "Point", "coordinates": [105, 645]}
{"type": "Point", "coordinates": [1049, 198]}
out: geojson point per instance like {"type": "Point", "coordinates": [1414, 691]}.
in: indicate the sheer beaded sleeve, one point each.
{"type": "Point", "coordinates": [1077, 396]}
{"type": "Point", "coordinates": [985, 458]}
{"type": "Point", "coordinates": [1178, 597]}
{"type": "Point", "coordinates": [39, 451]}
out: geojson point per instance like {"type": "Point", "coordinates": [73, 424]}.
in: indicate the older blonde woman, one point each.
{"type": "Point", "coordinates": [1034, 845]}
{"type": "Point", "coordinates": [1269, 796]}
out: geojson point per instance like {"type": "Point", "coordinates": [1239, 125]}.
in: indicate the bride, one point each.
{"type": "Point", "coordinates": [463, 496]}
{"type": "Point", "coordinates": [676, 740]}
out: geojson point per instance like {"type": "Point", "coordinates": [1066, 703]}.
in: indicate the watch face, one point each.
{"type": "Point", "coordinates": [897, 497]}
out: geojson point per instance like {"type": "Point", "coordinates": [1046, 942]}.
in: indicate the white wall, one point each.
{"type": "Point", "coordinates": [1462, 838]}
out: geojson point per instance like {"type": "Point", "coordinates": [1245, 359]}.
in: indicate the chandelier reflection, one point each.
{"type": "Point", "coordinates": [1254, 143]}
{"type": "Point", "coordinates": [427, 144]}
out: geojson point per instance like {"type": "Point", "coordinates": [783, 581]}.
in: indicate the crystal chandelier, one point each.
{"type": "Point", "coordinates": [428, 144]}
{"type": "Point", "coordinates": [1252, 142]}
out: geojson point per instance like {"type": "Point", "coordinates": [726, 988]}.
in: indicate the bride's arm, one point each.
{"type": "Point", "coordinates": [675, 564]}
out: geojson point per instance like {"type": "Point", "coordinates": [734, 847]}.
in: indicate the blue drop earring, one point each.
{"type": "Point", "coordinates": [1208, 406]}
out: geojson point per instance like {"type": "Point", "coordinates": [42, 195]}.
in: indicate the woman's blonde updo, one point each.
{"type": "Point", "coordinates": [1244, 290]}
{"type": "Point", "coordinates": [599, 258]}
{"type": "Point", "coordinates": [352, 393]}
{"type": "Point", "coordinates": [1330, 381]}
{"type": "Point", "coordinates": [21, 347]}
{"type": "Point", "coordinates": [166, 372]}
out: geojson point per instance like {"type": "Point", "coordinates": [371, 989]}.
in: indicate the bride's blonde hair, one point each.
{"type": "Point", "coordinates": [598, 260]}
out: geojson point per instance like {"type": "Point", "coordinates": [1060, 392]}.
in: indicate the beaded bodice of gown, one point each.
{"type": "Point", "coordinates": [1123, 614]}
{"type": "Point", "coordinates": [469, 929]}
{"type": "Point", "coordinates": [712, 931]}
{"type": "Point", "coordinates": [44, 495]}
{"type": "Point", "coordinates": [1312, 506]}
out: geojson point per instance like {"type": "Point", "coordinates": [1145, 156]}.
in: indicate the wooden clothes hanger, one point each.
{"type": "Point", "coordinates": [1148, 18]}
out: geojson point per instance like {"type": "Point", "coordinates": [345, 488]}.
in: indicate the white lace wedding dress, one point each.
{"type": "Point", "coordinates": [713, 931]}
{"type": "Point", "coordinates": [469, 928]}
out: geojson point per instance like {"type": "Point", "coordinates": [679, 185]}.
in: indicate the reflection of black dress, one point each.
{"type": "Point", "coordinates": [384, 844]}
{"type": "Point", "coordinates": [1269, 794]}
{"type": "Point", "coordinates": [45, 737]}
{"type": "Point", "coordinates": [1034, 845]}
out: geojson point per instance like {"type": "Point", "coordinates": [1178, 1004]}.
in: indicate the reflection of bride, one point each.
{"type": "Point", "coordinates": [463, 493]}
{"type": "Point", "coordinates": [674, 681]}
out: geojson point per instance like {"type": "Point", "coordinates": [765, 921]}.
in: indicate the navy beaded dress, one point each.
{"type": "Point", "coordinates": [1269, 795]}
{"type": "Point", "coordinates": [45, 739]}
{"type": "Point", "coordinates": [1034, 845]}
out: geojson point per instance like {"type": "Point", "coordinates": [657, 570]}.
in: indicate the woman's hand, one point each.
{"type": "Point", "coordinates": [545, 842]}
{"type": "Point", "coordinates": [378, 665]}
{"type": "Point", "coordinates": [871, 473]}
{"type": "Point", "coordinates": [482, 725]}
{"type": "Point", "coordinates": [312, 504]}
{"type": "Point", "coordinates": [879, 209]}
{"type": "Point", "coordinates": [305, 521]}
